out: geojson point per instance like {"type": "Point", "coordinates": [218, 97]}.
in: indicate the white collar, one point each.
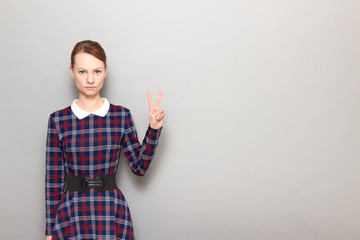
{"type": "Point", "coordinates": [80, 113]}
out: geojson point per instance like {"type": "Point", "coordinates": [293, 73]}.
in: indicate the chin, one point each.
{"type": "Point", "coordinates": [90, 93]}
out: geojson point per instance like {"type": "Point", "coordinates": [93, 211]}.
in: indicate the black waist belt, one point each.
{"type": "Point", "coordinates": [83, 183]}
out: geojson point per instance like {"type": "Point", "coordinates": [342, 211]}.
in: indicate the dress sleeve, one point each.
{"type": "Point", "coordinates": [54, 175]}
{"type": "Point", "coordinates": [139, 156]}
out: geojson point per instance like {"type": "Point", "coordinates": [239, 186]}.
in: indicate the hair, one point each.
{"type": "Point", "coordinates": [90, 47]}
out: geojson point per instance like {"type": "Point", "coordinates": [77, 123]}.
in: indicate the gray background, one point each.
{"type": "Point", "coordinates": [261, 133]}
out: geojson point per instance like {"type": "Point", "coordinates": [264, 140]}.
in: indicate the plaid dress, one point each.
{"type": "Point", "coordinates": [90, 146]}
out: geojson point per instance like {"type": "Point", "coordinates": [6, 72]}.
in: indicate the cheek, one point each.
{"type": "Point", "coordinates": [101, 81]}
{"type": "Point", "coordinates": [78, 79]}
{"type": "Point", "coordinates": [101, 78]}
{"type": "Point", "coordinates": [77, 83]}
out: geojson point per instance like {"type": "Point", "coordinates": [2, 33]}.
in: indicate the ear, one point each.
{"type": "Point", "coordinates": [72, 72]}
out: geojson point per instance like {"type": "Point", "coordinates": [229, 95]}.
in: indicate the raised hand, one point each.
{"type": "Point", "coordinates": [156, 113]}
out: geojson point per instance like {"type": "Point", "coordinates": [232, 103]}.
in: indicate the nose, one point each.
{"type": "Point", "coordinates": [90, 79]}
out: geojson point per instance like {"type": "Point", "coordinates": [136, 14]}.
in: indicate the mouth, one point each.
{"type": "Point", "coordinates": [90, 88]}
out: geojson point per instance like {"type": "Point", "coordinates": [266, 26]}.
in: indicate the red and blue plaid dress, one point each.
{"type": "Point", "coordinates": [91, 146]}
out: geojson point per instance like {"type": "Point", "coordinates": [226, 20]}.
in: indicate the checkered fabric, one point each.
{"type": "Point", "coordinates": [91, 147]}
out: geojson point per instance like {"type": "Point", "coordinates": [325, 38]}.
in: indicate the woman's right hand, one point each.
{"type": "Point", "coordinates": [48, 237]}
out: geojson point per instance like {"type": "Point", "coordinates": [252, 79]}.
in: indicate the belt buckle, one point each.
{"type": "Point", "coordinates": [86, 183]}
{"type": "Point", "coordinates": [84, 186]}
{"type": "Point", "coordinates": [100, 186]}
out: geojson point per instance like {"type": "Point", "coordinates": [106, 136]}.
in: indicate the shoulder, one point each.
{"type": "Point", "coordinates": [121, 112]}
{"type": "Point", "coordinates": [60, 113]}
{"type": "Point", "coordinates": [119, 108]}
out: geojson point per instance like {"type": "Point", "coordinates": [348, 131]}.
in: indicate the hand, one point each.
{"type": "Point", "coordinates": [156, 113]}
{"type": "Point", "coordinates": [48, 237]}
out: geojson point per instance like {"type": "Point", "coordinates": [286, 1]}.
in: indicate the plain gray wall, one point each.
{"type": "Point", "coordinates": [261, 134]}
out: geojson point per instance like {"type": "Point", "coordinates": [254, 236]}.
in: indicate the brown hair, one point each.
{"type": "Point", "coordinates": [90, 47]}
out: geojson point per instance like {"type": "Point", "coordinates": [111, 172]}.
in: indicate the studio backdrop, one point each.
{"type": "Point", "coordinates": [261, 133]}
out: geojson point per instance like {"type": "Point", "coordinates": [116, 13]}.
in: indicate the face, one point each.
{"type": "Point", "coordinates": [89, 73]}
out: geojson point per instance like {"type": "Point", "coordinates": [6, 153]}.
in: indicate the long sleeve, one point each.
{"type": "Point", "coordinates": [139, 155]}
{"type": "Point", "coordinates": [54, 176]}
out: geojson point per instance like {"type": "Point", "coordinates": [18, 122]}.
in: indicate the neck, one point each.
{"type": "Point", "coordinates": [89, 103]}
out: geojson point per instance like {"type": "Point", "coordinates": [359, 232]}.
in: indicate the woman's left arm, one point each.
{"type": "Point", "coordinates": [139, 156]}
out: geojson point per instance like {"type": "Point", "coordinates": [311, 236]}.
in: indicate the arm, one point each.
{"type": "Point", "coordinates": [139, 156]}
{"type": "Point", "coordinates": [54, 175]}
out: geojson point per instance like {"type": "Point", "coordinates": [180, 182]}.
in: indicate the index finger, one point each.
{"type": "Point", "coordinates": [159, 98]}
{"type": "Point", "coordinates": [149, 98]}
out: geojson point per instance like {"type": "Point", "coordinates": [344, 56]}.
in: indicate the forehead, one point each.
{"type": "Point", "coordinates": [85, 60]}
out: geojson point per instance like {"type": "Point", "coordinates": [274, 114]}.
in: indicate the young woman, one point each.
{"type": "Point", "coordinates": [84, 142]}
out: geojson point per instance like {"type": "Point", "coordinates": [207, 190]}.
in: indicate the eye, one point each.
{"type": "Point", "coordinates": [82, 72]}
{"type": "Point", "coordinates": [98, 71]}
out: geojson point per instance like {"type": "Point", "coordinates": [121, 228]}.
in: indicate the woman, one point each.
{"type": "Point", "coordinates": [82, 154]}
